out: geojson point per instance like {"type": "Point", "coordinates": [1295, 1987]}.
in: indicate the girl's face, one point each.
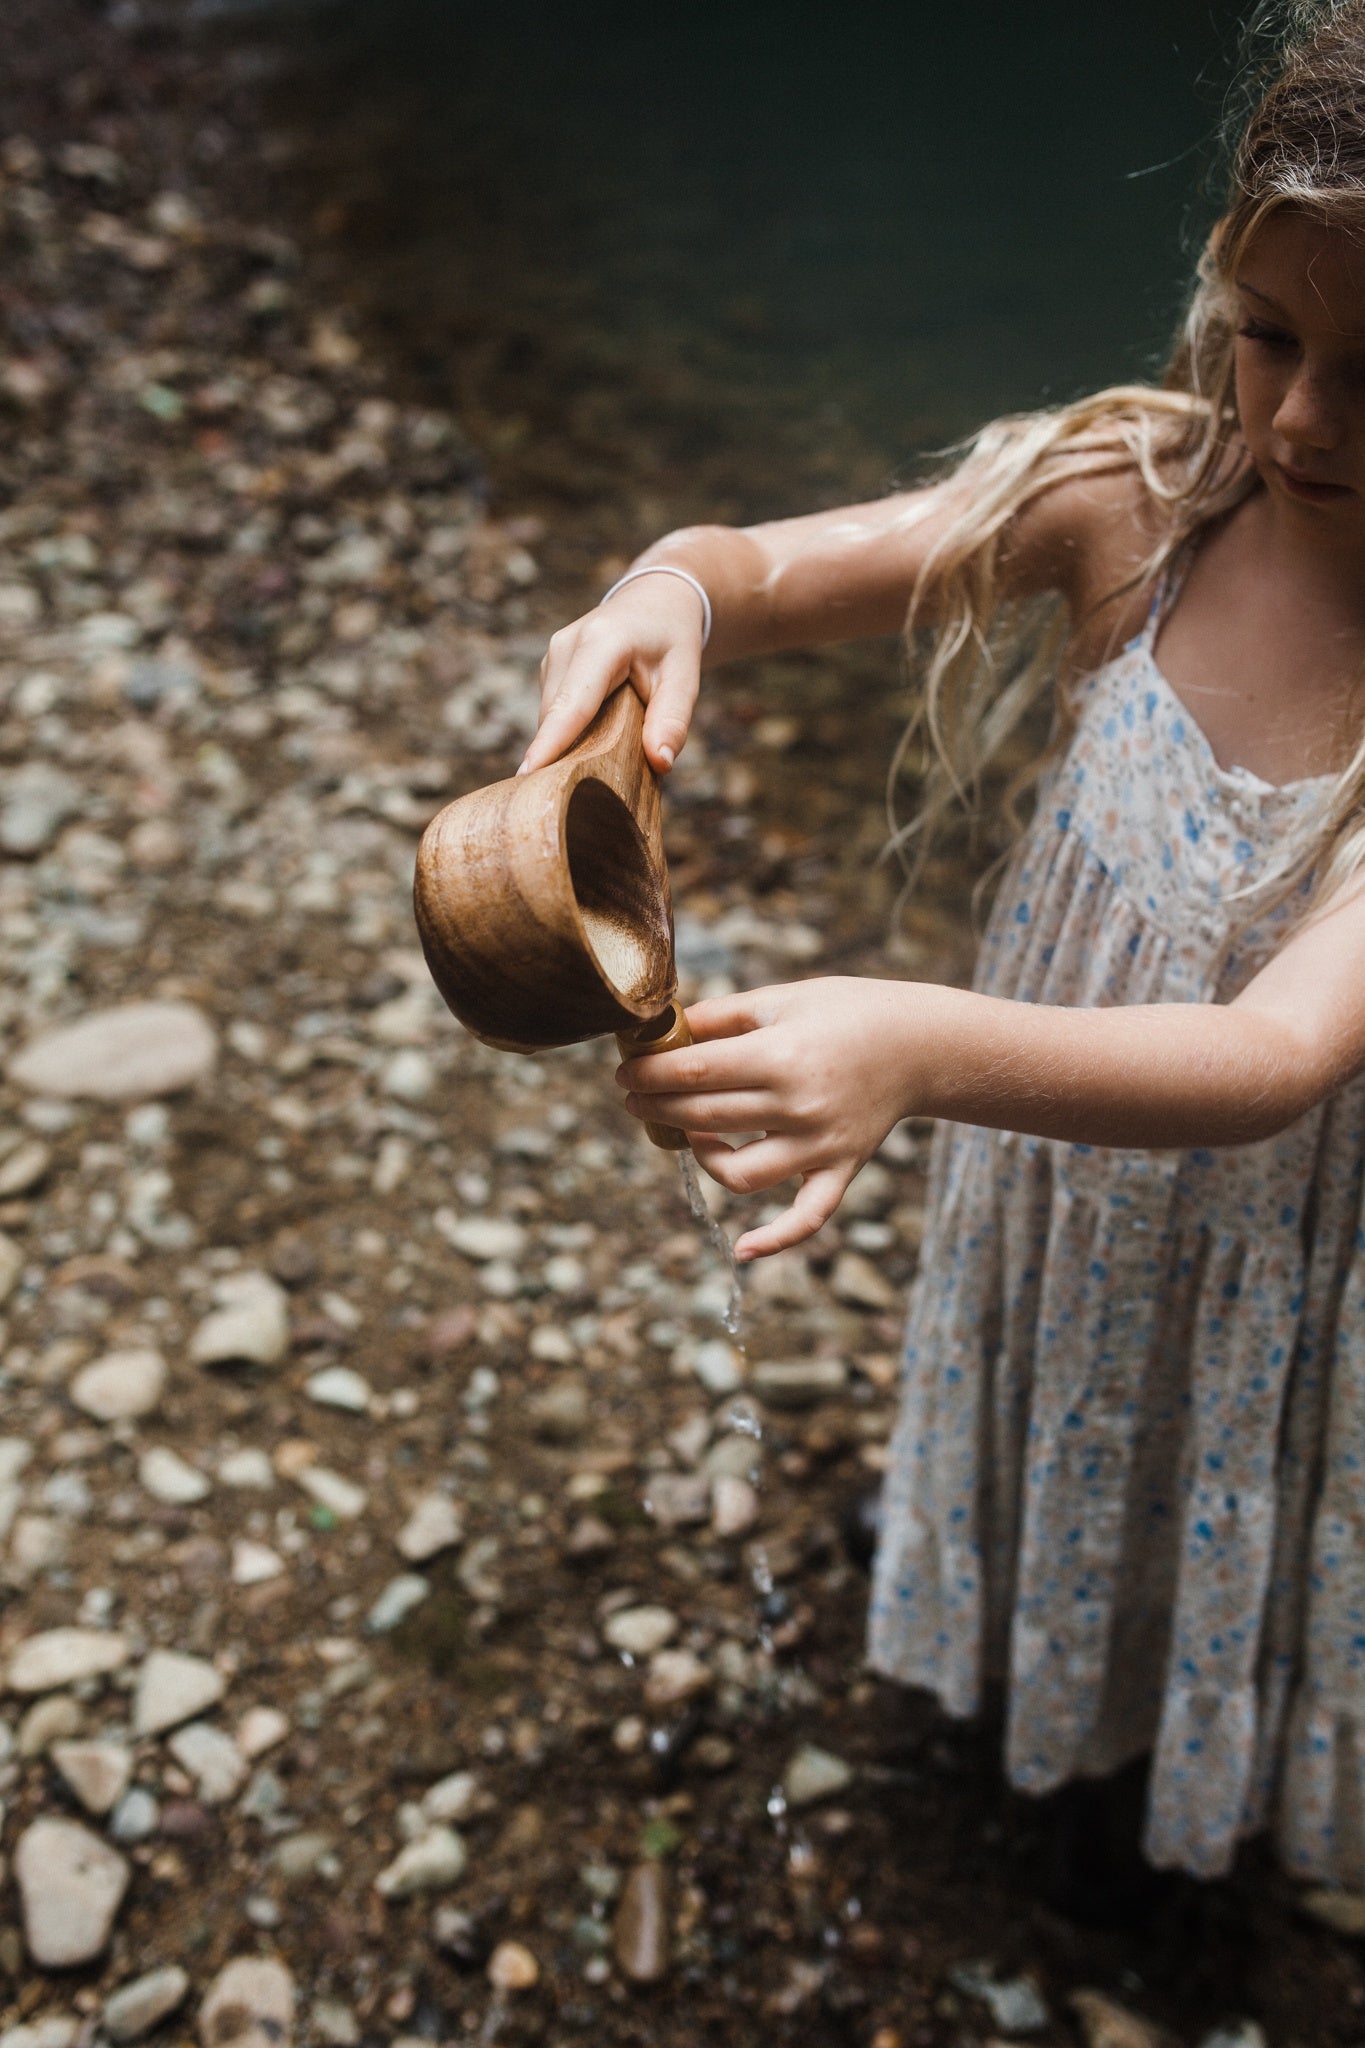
{"type": "Point", "coordinates": [1300, 361]}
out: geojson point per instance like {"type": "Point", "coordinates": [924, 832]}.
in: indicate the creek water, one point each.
{"type": "Point", "coordinates": [733, 1313]}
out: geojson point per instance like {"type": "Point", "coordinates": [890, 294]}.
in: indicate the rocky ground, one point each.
{"type": "Point", "coordinates": [418, 1619]}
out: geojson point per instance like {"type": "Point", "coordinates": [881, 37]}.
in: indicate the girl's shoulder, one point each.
{"type": "Point", "coordinates": [1091, 535]}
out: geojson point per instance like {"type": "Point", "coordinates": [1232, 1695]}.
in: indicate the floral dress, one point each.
{"type": "Point", "coordinates": [1128, 1477]}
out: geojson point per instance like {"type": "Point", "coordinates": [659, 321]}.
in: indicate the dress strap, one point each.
{"type": "Point", "coordinates": [1168, 587]}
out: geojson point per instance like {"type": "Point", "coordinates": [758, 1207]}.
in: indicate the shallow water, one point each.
{"type": "Point", "coordinates": [733, 1314]}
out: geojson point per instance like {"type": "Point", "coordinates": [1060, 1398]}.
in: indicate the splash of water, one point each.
{"type": "Point", "coordinates": [733, 1316]}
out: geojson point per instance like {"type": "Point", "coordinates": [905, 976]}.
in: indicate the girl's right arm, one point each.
{"type": "Point", "coordinates": [836, 575]}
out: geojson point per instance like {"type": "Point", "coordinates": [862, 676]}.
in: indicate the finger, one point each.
{"type": "Point", "coordinates": [747, 1169]}
{"type": "Point", "coordinates": [579, 698]}
{"type": "Point", "coordinates": [668, 715]}
{"type": "Point", "coordinates": [746, 1111]}
{"type": "Point", "coordinates": [690, 1069]}
{"type": "Point", "coordinates": [723, 1017]}
{"type": "Point", "coordinates": [813, 1206]}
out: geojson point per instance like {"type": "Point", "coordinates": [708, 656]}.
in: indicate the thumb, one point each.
{"type": "Point", "coordinates": [668, 716]}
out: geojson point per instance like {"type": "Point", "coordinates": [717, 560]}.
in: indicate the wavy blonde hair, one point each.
{"type": "Point", "coordinates": [987, 662]}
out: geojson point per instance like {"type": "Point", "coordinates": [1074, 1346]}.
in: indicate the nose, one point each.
{"type": "Point", "coordinates": [1308, 414]}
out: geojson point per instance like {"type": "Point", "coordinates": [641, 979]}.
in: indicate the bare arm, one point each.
{"type": "Point", "coordinates": [824, 1068]}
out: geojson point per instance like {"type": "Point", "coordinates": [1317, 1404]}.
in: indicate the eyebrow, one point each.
{"type": "Point", "coordinates": [1254, 293]}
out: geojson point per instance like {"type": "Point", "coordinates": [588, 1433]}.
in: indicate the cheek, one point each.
{"type": "Point", "coordinates": [1257, 391]}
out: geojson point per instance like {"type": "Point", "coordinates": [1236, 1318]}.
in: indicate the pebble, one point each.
{"type": "Point", "coordinates": [247, 1468]}
{"type": "Point", "coordinates": [674, 1677]}
{"type": "Point", "coordinates": [1343, 1912]}
{"type": "Point", "coordinates": [332, 2022]}
{"type": "Point", "coordinates": [678, 1500]}
{"type": "Point", "coordinates": [249, 2004]}
{"type": "Point", "coordinates": [172, 1688]}
{"type": "Point", "coordinates": [481, 1238]}
{"type": "Point", "coordinates": [168, 1478]}
{"type": "Point", "coordinates": [451, 1799]}
{"type": "Point", "coordinates": [212, 1759]}
{"type": "Point", "coordinates": [734, 1505]}
{"type": "Point", "coordinates": [512, 1967]}
{"type": "Point", "coordinates": [261, 1729]}
{"type": "Point", "coordinates": [1015, 2004]}
{"type": "Point", "coordinates": [813, 1774]}
{"type": "Point", "coordinates": [396, 1602]}
{"type": "Point", "coordinates": [71, 1885]}
{"type": "Point", "coordinates": [1236, 2034]}
{"type": "Point", "coordinates": [799, 1383]}
{"type": "Point", "coordinates": [303, 1856]}
{"type": "Point", "coordinates": [99, 1773]}
{"type": "Point", "coordinates": [123, 1386]}
{"type": "Point", "coordinates": [54, 2030]}
{"type": "Point", "coordinates": [430, 1863]}
{"type": "Point", "coordinates": [640, 1931]}
{"type": "Point", "coordinates": [640, 1631]}
{"type": "Point", "coordinates": [124, 1054]}
{"type": "Point", "coordinates": [136, 1817]}
{"type": "Point", "coordinates": [49, 1720]}
{"type": "Point", "coordinates": [336, 1386]}
{"type": "Point", "coordinates": [1107, 2024]}
{"type": "Point", "coordinates": [434, 1525]}
{"type": "Point", "coordinates": [253, 1563]}
{"type": "Point", "coordinates": [719, 1367]}
{"type": "Point", "coordinates": [24, 1168]}
{"type": "Point", "coordinates": [858, 1282]}
{"type": "Point", "coordinates": [38, 800]}
{"type": "Point", "coordinates": [11, 1266]}
{"type": "Point", "coordinates": [341, 1497]}
{"type": "Point", "coordinates": [135, 2008]}
{"type": "Point", "coordinates": [249, 1327]}
{"type": "Point", "coordinates": [560, 1413]}
{"type": "Point", "coordinates": [64, 1656]}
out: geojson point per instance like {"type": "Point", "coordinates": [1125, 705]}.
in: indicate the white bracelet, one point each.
{"type": "Point", "coordinates": [666, 569]}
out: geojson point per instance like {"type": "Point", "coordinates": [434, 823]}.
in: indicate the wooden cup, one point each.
{"type": "Point", "coordinates": [542, 902]}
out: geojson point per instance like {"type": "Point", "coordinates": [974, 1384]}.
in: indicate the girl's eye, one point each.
{"type": "Point", "coordinates": [1268, 337]}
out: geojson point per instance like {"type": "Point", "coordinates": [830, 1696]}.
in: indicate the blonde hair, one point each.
{"type": "Point", "coordinates": [987, 662]}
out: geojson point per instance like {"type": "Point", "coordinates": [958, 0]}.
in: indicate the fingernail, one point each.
{"type": "Point", "coordinates": [525, 768]}
{"type": "Point", "coordinates": [667, 756]}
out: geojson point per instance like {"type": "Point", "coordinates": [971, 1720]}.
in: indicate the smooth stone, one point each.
{"type": "Point", "coordinates": [259, 1730]}
{"type": "Point", "coordinates": [561, 1413]}
{"type": "Point", "coordinates": [590, 1537]}
{"type": "Point", "coordinates": [212, 1759]}
{"type": "Point", "coordinates": [136, 1818]}
{"type": "Point", "coordinates": [11, 1266]}
{"type": "Point", "coordinates": [858, 1282]}
{"type": "Point", "coordinates": [49, 1720]}
{"type": "Point", "coordinates": [640, 1631]}
{"type": "Point", "coordinates": [64, 1656]}
{"type": "Point", "coordinates": [253, 1563]}
{"type": "Point", "coordinates": [247, 1468]}
{"type": "Point", "coordinates": [336, 1386]}
{"type": "Point", "coordinates": [249, 2004]}
{"type": "Point", "coordinates": [675, 1676]}
{"type": "Point", "coordinates": [798, 1383]}
{"type": "Point", "coordinates": [512, 1967]}
{"type": "Point", "coordinates": [1107, 2024]}
{"type": "Point", "coordinates": [1015, 2004]}
{"type": "Point", "coordinates": [15, 1454]}
{"type": "Point", "coordinates": [396, 1602]}
{"type": "Point", "coordinates": [640, 1931]}
{"type": "Point", "coordinates": [1237, 2034]}
{"type": "Point", "coordinates": [123, 1386]}
{"type": "Point", "coordinates": [734, 1505]}
{"type": "Point", "coordinates": [250, 1326]}
{"type": "Point", "coordinates": [719, 1367]}
{"type": "Point", "coordinates": [54, 2030]}
{"type": "Point", "coordinates": [305, 1855]}
{"type": "Point", "coordinates": [134, 2009]}
{"type": "Point", "coordinates": [430, 1863]}
{"type": "Point", "coordinates": [172, 1688]}
{"type": "Point", "coordinates": [164, 1474]}
{"type": "Point", "coordinates": [678, 1500]}
{"type": "Point", "coordinates": [341, 1497]}
{"type": "Point", "coordinates": [332, 2022]}
{"type": "Point", "coordinates": [814, 1774]}
{"type": "Point", "coordinates": [126, 1054]}
{"type": "Point", "coordinates": [451, 1799]}
{"type": "Point", "coordinates": [1343, 1912]}
{"type": "Point", "coordinates": [99, 1773]}
{"type": "Point", "coordinates": [71, 1885]}
{"type": "Point", "coordinates": [433, 1526]}
{"type": "Point", "coordinates": [38, 800]}
{"type": "Point", "coordinates": [23, 1168]}
{"type": "Point", "coordinates": [482, 1238]}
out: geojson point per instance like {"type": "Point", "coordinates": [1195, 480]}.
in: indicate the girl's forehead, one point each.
{"type": "Point", "coordinates": [1311, 269]}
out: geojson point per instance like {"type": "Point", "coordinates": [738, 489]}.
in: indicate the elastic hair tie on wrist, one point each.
{"type": "Point", "coordinates": [664, 569]}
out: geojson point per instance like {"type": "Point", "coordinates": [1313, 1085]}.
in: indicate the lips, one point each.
{"type": "Point", "coordinates": [1315, 490]}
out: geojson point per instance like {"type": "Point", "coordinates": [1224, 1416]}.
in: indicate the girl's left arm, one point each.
{"type": "Point", "coordinates": [825, 1068]}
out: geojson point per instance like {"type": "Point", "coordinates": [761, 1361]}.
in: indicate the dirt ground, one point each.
{"type": "Point", "coordinates": [265, 604]}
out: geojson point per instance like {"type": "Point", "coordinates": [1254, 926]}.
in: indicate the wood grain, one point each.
{"type": "Point", "coordinates": [542, 902]}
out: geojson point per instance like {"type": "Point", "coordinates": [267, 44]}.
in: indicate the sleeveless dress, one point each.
{"type": "Point", "coordinates": [1128, 1476]}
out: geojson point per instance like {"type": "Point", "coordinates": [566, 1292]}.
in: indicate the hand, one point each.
{"type": "Point", "coordinates": [651, 634]}
{"type": "Point", "coordinates": [822, 1068]}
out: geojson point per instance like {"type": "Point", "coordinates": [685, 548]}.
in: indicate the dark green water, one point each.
{"type": "Point", "coordinates": [746, 259]}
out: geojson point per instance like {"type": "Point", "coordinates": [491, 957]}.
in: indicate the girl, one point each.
{"type": "Point", "coordinates": [1127, 1478]}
